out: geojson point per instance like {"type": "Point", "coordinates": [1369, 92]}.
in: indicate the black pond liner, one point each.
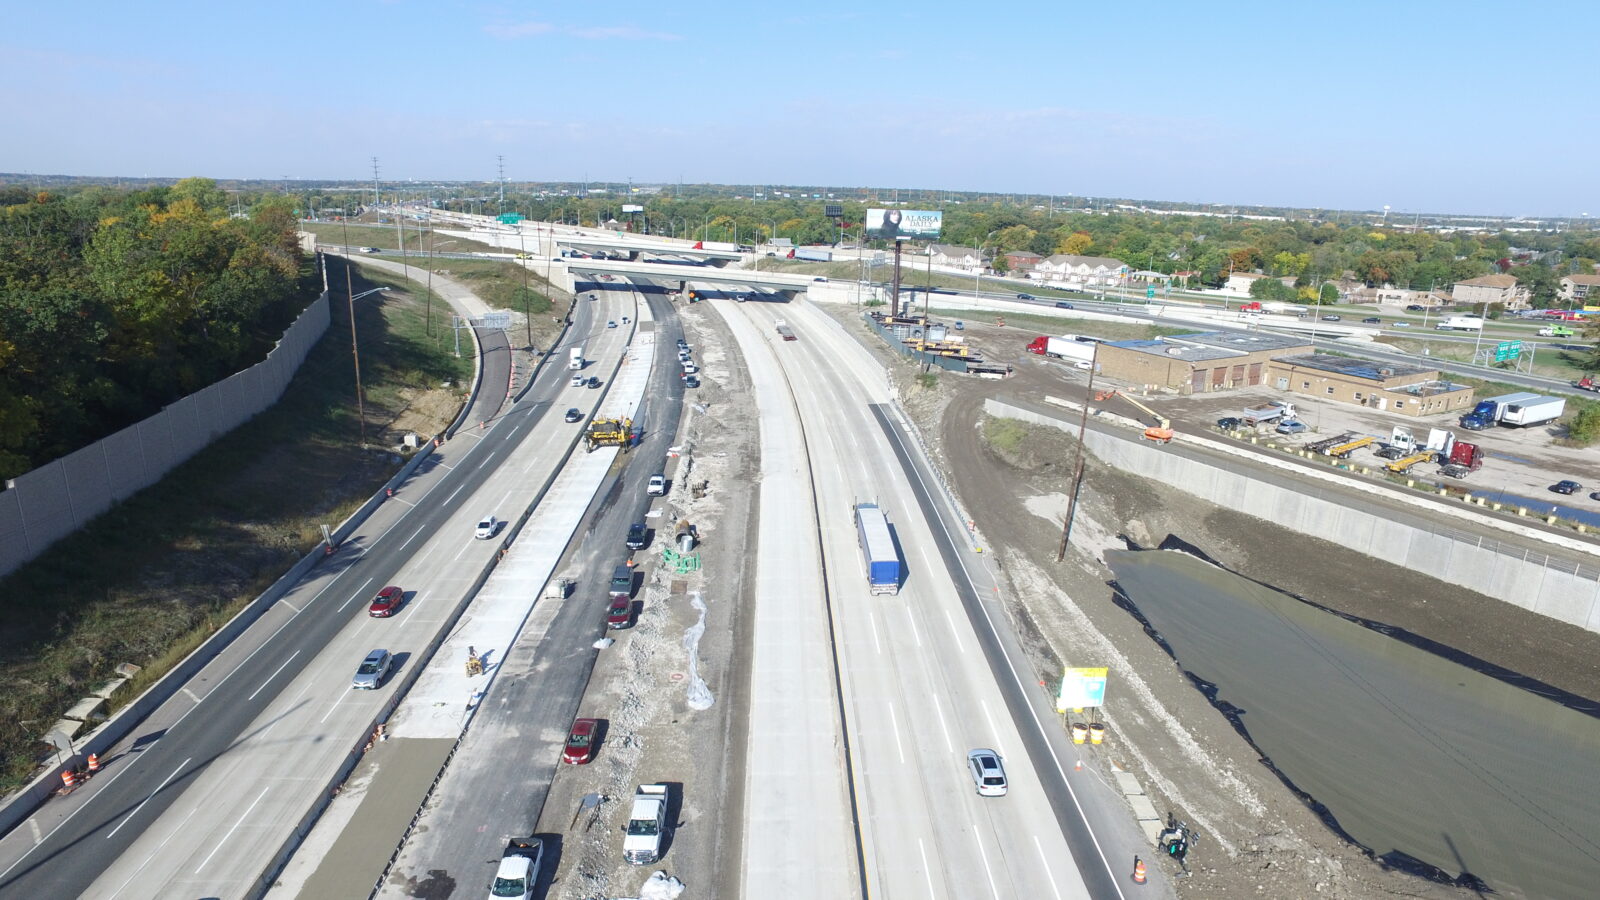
{"type": "Point", "coordinates": [1394, 859]}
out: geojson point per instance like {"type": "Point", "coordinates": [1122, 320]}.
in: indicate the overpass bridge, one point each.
{"type": "Point", "coordinates": [636, 246]}
{"type": "Point", "coordinates": [735, 278]}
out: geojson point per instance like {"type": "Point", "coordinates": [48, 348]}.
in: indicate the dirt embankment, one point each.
{"type": "Point", "coordinates": [1257, 839]}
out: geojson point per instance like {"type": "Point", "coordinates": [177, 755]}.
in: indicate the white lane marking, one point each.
{"type": "Point", "coordinates": [158, 790]}
{"type": "Point", "coordinates": [191, 695]}
{"type": "Point", "coordinates": [453, 495]}
{"type": "Point", "coordinates": [174, 833]}
{"type": "Point", "coordinates": [360, 591]}
{"type": "Point", "coordinates": [235, 827]}
{"type": "Point", "coordinates": [1046, 860]}
{"type": "Point", "coordinates": [948, 747]}
{"type": "Point", "coordinates": [412, 538]}
{"type": "Point", "coordinates": [954, 634]}
{"type": "Point", "coordinates": [1011, 667]}
{"type": "Point", "coordinates": [895, 724]}
{"type": "Point", "coordinates": [914, 632]}
{"type": "Point", "coordinates": [994, 891]}
{"type": "Point", "coordinates": [873, 621]}
{"type": "Point", "coordinates": [290, 605]}
{"type": "Point", "coordinates": [927, 872]}
{"type": "Point", "coordinates": [279, 720]}
{"type": "Point", "coordinates": [335, 705]}
{"type": "Point", "coordinates": [994, 733]}
{"type": "Point", "coordinates": [119, 771]}
{"type": "Point", "coordinates": [273, 675]}
{"type": "Point", "coordinates": [488, 459]}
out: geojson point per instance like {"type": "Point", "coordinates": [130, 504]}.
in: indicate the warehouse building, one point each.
{"type": "Point", "coordinates": [1196, 363]}
{"type": "Point", "coordinates": [1409, 390]}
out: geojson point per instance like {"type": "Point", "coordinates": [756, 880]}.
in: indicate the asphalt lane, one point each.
{"type": "Point", "coordinates": [157, 766]}
{"type": "Point", "coordinates": [537, 693]}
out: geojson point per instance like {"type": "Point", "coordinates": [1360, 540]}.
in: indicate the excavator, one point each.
{"type": "Point", "coordinates": [1161, 432]}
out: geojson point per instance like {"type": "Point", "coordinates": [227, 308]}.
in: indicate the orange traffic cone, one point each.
{"type": "Point", "coordinates": [1138, 870]}
{"type": "Point", "coordinates": [69, 780]}
{"type": "Point", "coordinates": [94, 762]}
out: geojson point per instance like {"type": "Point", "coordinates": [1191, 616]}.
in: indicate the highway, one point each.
{"type": "Point", "coordinates": [199, 800]}
{"type": "Point", "coordinates": [923, 675]}
{"type": "Point", "coordinates": [538, 692]}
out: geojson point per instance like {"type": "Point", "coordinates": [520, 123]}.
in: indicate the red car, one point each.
{"type": "Point", "coordinates": [580, 742]}
{"type": "Point", "coordinates": [387, 602]}
{"type": "Point", "coordinates": [619, 613]}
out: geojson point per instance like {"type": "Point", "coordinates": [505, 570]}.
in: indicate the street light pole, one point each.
{"type": "Point", "coordinates": [355, 348]}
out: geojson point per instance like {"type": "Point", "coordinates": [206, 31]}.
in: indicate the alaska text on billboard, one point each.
{"type": "Point", "coordinates": [903, 224]}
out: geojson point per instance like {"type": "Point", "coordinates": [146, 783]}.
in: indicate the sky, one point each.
{"type": "Point", "coordinates": [1423, 106]}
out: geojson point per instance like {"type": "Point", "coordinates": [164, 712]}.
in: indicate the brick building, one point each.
{"type": "Point", "coordinates": [1197, 363]}
{"type": "Point", "coordinates": [1409, 390]}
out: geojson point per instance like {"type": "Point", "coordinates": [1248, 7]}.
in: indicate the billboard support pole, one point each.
{"type": "Point", "coordinates": [894, 301]}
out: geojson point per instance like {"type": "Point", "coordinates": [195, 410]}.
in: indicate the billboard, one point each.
{"type": "Point", "coordinates": [632, 208]}
{"type": "Point", "coordinates": [903, 224]}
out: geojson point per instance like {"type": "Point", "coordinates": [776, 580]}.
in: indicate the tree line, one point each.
{"type": "Point", "coordinates": [115, 303]}
{"type": "Point", "coordinates": [1312, 251]}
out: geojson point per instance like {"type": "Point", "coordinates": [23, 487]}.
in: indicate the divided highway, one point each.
{"type": "Point", "coordinates": [201, 798]}
{"type": "Point", "coordinates": [924, 680]}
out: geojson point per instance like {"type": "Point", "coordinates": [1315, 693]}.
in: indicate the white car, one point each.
{"type": "Point", "coordinates": [690, 369]}
{"type": "Point", "coordinates": [657, 485]}
{"type": "Point", "coordinates": [487, 526]}
{"type": "Point", "coordinates": [579, 380]}
{"type": "Point", "coordinates": [988, 774]}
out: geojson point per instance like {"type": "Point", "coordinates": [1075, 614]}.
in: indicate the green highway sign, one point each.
{"type": "Point", "coordinates": [509, 218]}
{"type": "Point", "coordinates": [1506, 351]}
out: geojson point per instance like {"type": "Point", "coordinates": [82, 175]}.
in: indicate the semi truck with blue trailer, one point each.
{"type": "Point", "coordinates": [877, 546]}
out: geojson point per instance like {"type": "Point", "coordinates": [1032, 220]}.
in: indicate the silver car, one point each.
{"type": "Point", "coordinates": [988, 774]}
{"type": "Point", "coordinates": [372, 671]}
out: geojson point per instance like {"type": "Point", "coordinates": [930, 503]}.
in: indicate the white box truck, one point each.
{"type": "Point", "coordinates": [575, 358]}
{"type": "Point", "coordinates": [1460, 323]}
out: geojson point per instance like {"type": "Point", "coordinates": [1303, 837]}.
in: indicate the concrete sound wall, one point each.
{"type": "Point", "coordinates": [1454, 558]}
{"type": "Point", "coordinates": [47, 504]}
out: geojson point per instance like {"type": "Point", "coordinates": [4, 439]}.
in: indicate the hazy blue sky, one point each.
{"type": "Point", "coordinates": [1421, 105]}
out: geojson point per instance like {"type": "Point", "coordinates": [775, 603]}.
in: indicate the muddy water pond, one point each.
{"type": "Point", "coordinates": [1423, 760]}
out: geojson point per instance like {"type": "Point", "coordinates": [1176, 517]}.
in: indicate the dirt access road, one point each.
{"type": "Point", "coordinates": [1257, 839]}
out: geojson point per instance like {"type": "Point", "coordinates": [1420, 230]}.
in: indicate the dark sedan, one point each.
{"type": "Point", "coordinates": [1566, 487]}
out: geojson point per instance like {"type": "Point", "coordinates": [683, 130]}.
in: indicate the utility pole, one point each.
{"type": "Point", "coordinates": [374, 181]}
{"type": "Point", "coordinates": [1077, 469]}
{"type": "Point", "coordinates": [502, 160]}
{"type": "Point", "coordinates": [355, 351]}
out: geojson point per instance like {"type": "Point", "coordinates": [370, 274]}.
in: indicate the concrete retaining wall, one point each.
{"type": "Point", "coordinates": [1527, 583]}
{"type": "Point", "coordinates": [45, 505]}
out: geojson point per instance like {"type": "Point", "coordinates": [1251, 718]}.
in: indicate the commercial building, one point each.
{"type": "Point", "coordinates": [1217, 361]}
{"type": "Point", "coordinates": [1405, 389]}
{"type": "Point", "coordinates": [1196, 363]}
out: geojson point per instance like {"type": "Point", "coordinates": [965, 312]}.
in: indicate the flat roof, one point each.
{"type": "Point", "coordinates": [1209, 345]}
{"type": "Point", "coordinates": [1173, 351]}
{"type": "Point", "coordinates": [1355, 368]}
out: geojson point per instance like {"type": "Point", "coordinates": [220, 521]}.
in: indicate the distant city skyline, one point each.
{"type": "Point", "coordinates": [1249, 103]}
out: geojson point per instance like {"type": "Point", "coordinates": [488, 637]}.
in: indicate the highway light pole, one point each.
{"type": "Point", "coordinates": [355, 349]}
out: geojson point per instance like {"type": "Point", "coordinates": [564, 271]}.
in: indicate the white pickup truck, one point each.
{"type": "Point", "coordinates": [519, 869]}
{"type": "Point", "coordinates": [647, 824]}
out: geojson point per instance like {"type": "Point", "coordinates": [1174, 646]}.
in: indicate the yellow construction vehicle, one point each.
{"type": "Point", "coordinates": [608, 433]}
{"type": "Point", "coordinates": [1161, 432]}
